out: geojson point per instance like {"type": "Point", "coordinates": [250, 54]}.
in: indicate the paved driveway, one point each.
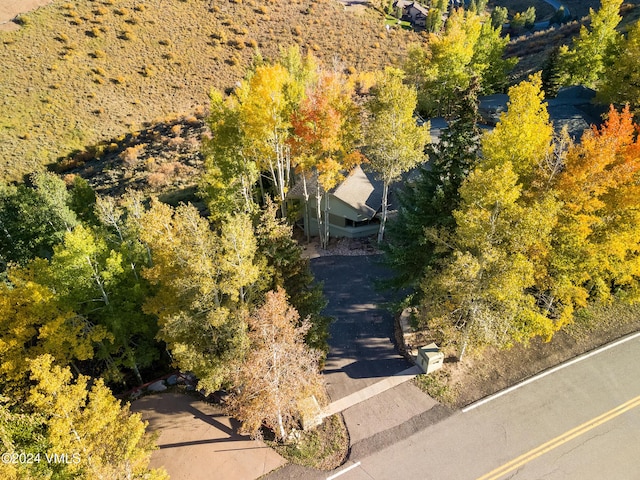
{"type": "Point", "coordinates": [197, 441]}
{"type": "Point", "coordinates": [361, 343]}
{"type": "Point", "coordinates": [362, 350]}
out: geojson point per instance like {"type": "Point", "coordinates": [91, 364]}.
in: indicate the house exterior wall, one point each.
{"type": "Point", "coordinates": [417, 17]}
{"type": "Point", "coordinates": [339, 212]}
{"type": "Point", "coordinates": [336, 231]}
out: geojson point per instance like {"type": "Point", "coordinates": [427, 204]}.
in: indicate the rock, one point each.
{"type": "Point", "coordinates": [158, 386]}
{"type": "Point", "coordinates": [172, 380]}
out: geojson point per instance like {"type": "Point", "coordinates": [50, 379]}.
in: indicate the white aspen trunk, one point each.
{"type": "Point", "coordinates": [464, 347]}
{"type": "Point", "coordinates": [135, 272]}
{"type": "Point", "coordinates": [283, 434]}
{"type": "Point", "coordinates": [287, 165]}
{"type": "Point", "coordinates": [307, 216]}
{"type": "Point", "coordinates": [98, 280]}
{"type": "Point", "coordinates": [136, 371]}
{"type": "Point", "coordinates": [246, 193]}
{"type": "Point", "coordinates": [383, 221]}
{"type": "Point", "coordinates": [325, 221]}
{"type": "Point", "coordinates": [319, 217]}
{"type": "Point", "coordinates": [279, 173]}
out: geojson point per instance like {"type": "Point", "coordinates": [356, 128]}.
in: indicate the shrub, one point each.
{"type": "Point", "coordinates": [148, 71]}
{"type": "Point", "coordinates": [127, 35]}
{"type": "Point", "coordinates": [99, 54]}
{"type": "Point", "coordinates": [235, 43]}
{"type": "Point", "coordinates": [141, 7]}
{"type": "Point", "coordinates": [263, 10]}
{"type": "Point", "coordinates": [219, 35]}
{"type": "Point", "coordinates": [131, 154]}
{"type": "Point", "coordinates": [101, 11]}
{"type": "Point", "coordinates": [157, 180]}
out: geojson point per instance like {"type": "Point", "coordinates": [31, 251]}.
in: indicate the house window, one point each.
{"type": "Point", "coordinates": [352, 223]}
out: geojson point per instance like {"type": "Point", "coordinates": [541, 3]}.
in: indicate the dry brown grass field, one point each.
{"type": "Point", "coordinates": [82, 71]}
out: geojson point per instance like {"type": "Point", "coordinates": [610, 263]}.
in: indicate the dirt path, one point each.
{"type": "Point", "coordinates": [9, 9]}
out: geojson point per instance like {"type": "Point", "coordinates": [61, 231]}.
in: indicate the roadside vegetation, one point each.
{"type": "Point", "coordinates": [491, 370]}
{"type": "Point", "coordinates": [325, 448]}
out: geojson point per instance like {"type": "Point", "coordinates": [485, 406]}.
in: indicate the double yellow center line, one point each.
{"type": "Point", "coordinates": [561, 439]}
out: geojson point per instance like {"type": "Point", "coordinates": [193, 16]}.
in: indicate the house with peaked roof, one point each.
{"type": "Point", "coordinates": [412, 12]}
{"type": "Point", "coordinates": [353, 205]}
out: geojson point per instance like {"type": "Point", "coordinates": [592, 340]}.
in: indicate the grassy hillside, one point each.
{"type": "Point", "coordinates": [533, 49]}
{"type": "Point", "coordinates": [82, 71]}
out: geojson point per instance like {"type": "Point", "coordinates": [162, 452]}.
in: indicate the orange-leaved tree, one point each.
{"type": "Point", "coordinates": [279, 371]}
{"type": "Point", "coordinates": [597, 250]}
{"type": "Point", "coordinates": [326, 131]}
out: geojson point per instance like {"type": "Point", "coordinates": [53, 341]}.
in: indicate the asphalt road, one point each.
{"type": "Point", "coordinates": [579, 423]}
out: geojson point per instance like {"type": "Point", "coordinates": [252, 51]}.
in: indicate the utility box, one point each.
{"type": "Point", "coordinates": [430, 358]}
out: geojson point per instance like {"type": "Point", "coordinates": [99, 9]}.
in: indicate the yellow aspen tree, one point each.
{"type": "Point", "coordinates": [98, 435]}
{"type": "Point", "coordinates": [263, 111]}
{"type": "Point", "coordinates": [595, 48]}
{"type": "Point", "coordinates": [394, 142]}
{"type": "Point", "coordinates": [200, 280]}
{"type": "Point", "coordinates": [33, 322]}
{"type": "Point", "coordinates": [524, 134]}
{"type": "Point", "coordinates": [480, 293]}
{"type": "Point", "coordinates": [597, 237]}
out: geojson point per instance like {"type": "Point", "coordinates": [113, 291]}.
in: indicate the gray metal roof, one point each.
{"type": "Point", "coordinates": [360, 190]}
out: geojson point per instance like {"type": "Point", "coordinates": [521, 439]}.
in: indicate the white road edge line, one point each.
{"type": "Point", "coordinates": [350, 467]}
{"type": "Point", "coordinates": [549, 372]}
